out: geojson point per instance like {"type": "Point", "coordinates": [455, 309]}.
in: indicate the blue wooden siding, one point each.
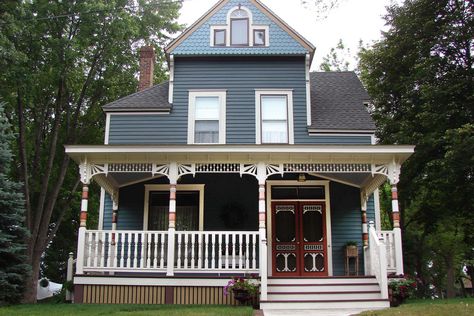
{"type": "Point", "coordinates": [198, 43]}
{"type": "Point", "coordinates": [239, 77]}
{"type": "Point", "coordinates": [346, 223]}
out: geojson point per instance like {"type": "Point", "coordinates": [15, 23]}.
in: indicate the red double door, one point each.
{"type": "Point", "coordinates": [299, 246]}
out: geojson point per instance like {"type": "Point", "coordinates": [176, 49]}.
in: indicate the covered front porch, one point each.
{"type": "Point", "coordinates": [170, 246]}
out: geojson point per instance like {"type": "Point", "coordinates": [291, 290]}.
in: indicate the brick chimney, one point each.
{"type": "Point", "coordinates": [147, 64]}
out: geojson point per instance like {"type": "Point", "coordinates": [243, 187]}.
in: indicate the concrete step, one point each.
{"type": "Point", "coordinates": [323, 281]}
{"type": "Point", "coordinates": [324, 304]}
{"type": "Point", "coordinates": [312, 296]}
{"type": "Point", "coordinates": [343, 287]}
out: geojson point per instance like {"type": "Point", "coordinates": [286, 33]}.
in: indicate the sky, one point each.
{"type": "Point", "coordinates": [352, 21]}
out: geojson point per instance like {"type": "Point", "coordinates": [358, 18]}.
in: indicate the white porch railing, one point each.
{"type": "Point", "coordinates": [216, 251]}
{"type": "Point", "coordinates": [378, 260]}
{"type": "Point", "coordinates": [147, 251]}
{"type": "Point", "coordinates": [392, 239]}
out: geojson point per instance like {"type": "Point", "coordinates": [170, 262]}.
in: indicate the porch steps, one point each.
{"type": "Point", "coordinates": [323, 293]}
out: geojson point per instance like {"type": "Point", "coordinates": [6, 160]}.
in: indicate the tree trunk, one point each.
{"type": "Point", "coordinates": [29, 296]}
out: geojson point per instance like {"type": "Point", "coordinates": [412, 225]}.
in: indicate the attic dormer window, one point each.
{"type": "Point", "coordinates": [239, 28]}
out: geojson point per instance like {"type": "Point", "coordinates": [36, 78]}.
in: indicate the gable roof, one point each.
{"type": "Point", "coordinates": [152, 99]}
{"type": "Point", "coordinates": [265, 10]}
{"type": "Point", "coordinates": [337, 102]}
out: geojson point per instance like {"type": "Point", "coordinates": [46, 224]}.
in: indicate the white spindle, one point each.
{"type": "Point", "coordinates": [199, 265]}
{"type": "Point", "coordinates": [240, 251]}
{"type": "Point", "coordinates": [149, 258]}
{"type": "Point", "coordinates": [121, 238]}
{"type": "Point", "coordinates": [178, 260]}
{"type": "Point", "coordinates": [192, 250]}
{"type": "Point", "coordinates": [129, 249]}
{"type": "Point", "coordinates": [247, 243]}
{"type": "Point", "coordinates": [226, 251]}
{"type": "Point", "coordinates": [254, 250]}
{"type": "Point", "coordinates": [219, 251]}
{"type": "Point", "coordinates": [233, 250]}
{"type": "Point", "coordinates": [162, 251]}
{"type": "Point", "coordinates": [186, 237]}
{"type": "Point", "coordinates": [135, 250]}
{"type": "Point", "coordinates": [155, 250]}
{"type": "Point", "coordinates": [206, 252]}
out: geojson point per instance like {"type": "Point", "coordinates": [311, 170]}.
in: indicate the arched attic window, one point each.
{"type": "Point", "coordinates": [239, 27]}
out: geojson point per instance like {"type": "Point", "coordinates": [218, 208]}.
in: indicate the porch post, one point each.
{"type": "Point", "coordinates": [173, 177]}
{"type": "Point", "coordinates": [397, 231]}
{"type": "Point", "coordinates": [365, 231]}
{"type": "Point", "coordinates": [261, 177]}
{"type": "Point", "coordinates": [113, 244]}
{"type": "Point", "coordinates": [393, 177]}
{"type": "Point", "coordinates": [82, 229]}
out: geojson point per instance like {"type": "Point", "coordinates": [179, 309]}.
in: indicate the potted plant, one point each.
{"type": "Point", "coordinates": [351, 249]}
{"type": "Point", "coordinates": [243, 288]}
{"type": "Point", "coordinates": [400, 289]}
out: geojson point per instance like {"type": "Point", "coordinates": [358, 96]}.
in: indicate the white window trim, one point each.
{"type": "Point", "coordinates": [227, 29]}
{"type": "Point", "coordinates": [222, 94]}
{"type": "Point", "coordinates": [266, 28]}
{"type": "Point", "coordinates": [219, 28]}
{"type": "Point", "coordinates": [258, 122]}
{"type": "Point", "coordinates": [327, 201]}
{"type": "Point", "coordinates": [180, 187]}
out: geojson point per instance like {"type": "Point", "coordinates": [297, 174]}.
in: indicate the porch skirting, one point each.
{"type": "Point", "coordinates": [136, 294]}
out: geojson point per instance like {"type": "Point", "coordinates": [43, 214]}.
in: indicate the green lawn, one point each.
{"type": "Point", "coordinates": [135, 310]}
{"type": "Point", "coordinates": [452, 307]}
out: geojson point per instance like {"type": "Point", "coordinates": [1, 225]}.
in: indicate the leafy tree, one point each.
{"type": "Point", "coordinates": [61, 61]}
{"type": "Point", "coordinates": [321, 7]}
{"type": "Point", "coordinates": [12, 231]}
{"type": "Point", "coordinates": [337, 59]}
{"type": "Point", "coordinates": [421, 78]}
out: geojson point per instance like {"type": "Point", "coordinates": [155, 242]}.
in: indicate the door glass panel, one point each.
{"type": "Point", "coordinates": [284, 193]}
{"type": "Point", "coordinates": [319, 262]}
{"type": "Point", "coordinates": [312, 223]}
{"type": "Point", "coordinates": [285, 223]}
{"type": "Point", "coordinates": [313, 193]}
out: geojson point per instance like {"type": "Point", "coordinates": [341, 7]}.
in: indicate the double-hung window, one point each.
{"type": "Point", "coordinates": [274, 110]}
{"type": "Point", "coordinates": [239, 28]}
{"type": "Point", "coordinates": [206, 119]}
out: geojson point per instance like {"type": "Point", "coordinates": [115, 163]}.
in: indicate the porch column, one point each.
{"type": "Point", "coordinates": [113, 244]}
{"type": "Point", "coordinates": [261, 177]}
{"type": "Point", "coordinates": [173, 177]}
{"type": "Point", "coordinates": [365, 232]}
{"type": "Point", "coordinates": [397, 230]}
{"type": "Point", "coordinates": [82, 229]}
{"type": "Point", "coordinates": [394, 177]}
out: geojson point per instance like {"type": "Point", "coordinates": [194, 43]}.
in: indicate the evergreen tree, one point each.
{"type": "Point", "coordinates": [12, 232]}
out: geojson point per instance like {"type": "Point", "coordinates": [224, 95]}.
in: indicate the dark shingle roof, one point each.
{"type": "Point", "coordinates": [337, 102]}
{"type": "Point", "coordinates": [151, 99]}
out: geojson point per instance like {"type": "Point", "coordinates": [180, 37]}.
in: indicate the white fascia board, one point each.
{"type": "Point", "coordinates": [312, 131]}
{"type": "Point", "coordinates": [328, 149]}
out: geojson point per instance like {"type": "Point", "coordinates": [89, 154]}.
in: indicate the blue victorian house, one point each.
{"type": "Point", "coordinates": [243, 162]}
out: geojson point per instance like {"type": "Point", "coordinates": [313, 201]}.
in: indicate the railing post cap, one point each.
{"type": "Point", "coordinates": [371, 223]}
{"type": "Point", "coordinates": [71, 254]}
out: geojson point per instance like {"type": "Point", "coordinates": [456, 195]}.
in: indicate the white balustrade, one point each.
{"type": "Point", "coordinates": [222, 251]}
{"type": "Point", "coordinates": [127, 251]}
{"type": "Point", "coordinates": [378, 260]}
{"type": "Point", "coordinates": [147, 251]}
